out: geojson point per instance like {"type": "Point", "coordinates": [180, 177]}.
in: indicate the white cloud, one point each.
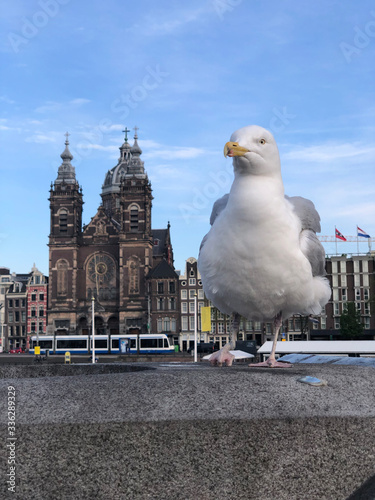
{"type": "Point", "coordinates": [51, 106]}
{"type": "Point", "coordinates": [40, 138]}
{"type": "Point", "coordinates": [330, 152]}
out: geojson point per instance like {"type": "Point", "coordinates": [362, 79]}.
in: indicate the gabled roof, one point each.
{"type": "Point", "coordinates": [163, 270]}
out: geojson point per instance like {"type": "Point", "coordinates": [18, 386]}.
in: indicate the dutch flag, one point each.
{"type": "Point", "coordinates": [360, 232]}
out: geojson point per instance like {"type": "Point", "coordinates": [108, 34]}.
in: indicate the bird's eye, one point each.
{"type": "Point", "coordinates": [262, 141]}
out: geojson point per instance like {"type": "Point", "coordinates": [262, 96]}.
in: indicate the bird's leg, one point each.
{"type": "Point", "coordinates": [224, 356]}
{"type": "Point", "coordinates": [271, 361]}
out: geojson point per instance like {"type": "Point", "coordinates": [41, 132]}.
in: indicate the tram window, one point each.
{"type": "Point", "coordinates": [166, 343]}
{"type": "Point", "coordinates": [132, 344]}
{"type": "Point", "coordinates": [114, 343]}
{"type": "Point", "coordinates": [148, 343]}
{"type": "Point", "coordinates": [101, 344]}
{"type": "Point", "coordinates": [72, 344]}
{"type": "Point", "coordinates": [44, 344]}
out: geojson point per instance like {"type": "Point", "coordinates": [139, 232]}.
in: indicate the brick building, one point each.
{"type": "Point", "coordinates": [111, 258]}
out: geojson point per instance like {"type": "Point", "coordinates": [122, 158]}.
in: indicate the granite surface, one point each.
{"type": "Point", "coordinates": [185, 431]}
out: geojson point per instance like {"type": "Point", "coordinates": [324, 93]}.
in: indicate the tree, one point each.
{"type": "Point", "coordinates": [350, 322]}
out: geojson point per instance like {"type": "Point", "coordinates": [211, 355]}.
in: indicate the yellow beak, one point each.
{"type": "Point", "coordinates": [234, 149]}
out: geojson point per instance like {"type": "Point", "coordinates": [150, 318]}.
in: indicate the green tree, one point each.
{"type": "Point", "coordinates": [350, 322]}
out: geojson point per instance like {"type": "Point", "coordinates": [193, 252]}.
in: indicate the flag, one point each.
{"type": "Point", "coordinates": [360, 232]}
{"type": "Point", "coordinates": [206, 319]}
{"type": "Point", "coordinates": [339, 235]}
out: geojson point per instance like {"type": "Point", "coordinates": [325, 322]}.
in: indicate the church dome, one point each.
{"type": "Point", "coordinates": [129, 165]}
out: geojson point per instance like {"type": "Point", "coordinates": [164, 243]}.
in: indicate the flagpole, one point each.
{"type": "Point", "coordinates": [336, 240]}
{"type": "Point", "coordinates": [357, 242]}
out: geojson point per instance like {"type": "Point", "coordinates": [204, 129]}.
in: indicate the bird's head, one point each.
{"type": "Point", "coordinates": [254, 151]}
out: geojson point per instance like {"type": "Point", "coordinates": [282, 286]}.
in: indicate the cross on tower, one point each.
{"type": "Point", "coordinates": [135, 132]}
{"type": "Point", "coordinates": [126, 133]}
{"type": "Point", "coordinates": [67, 137]}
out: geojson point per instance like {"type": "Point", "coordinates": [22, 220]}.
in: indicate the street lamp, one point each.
{"type": "Point", "coordinates": [195, 329]}
{"type": "Point", "coordinates": [93, 327]}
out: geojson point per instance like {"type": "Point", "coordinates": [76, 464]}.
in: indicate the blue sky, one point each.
{"type": "Point", "coordinates": [187, 76]}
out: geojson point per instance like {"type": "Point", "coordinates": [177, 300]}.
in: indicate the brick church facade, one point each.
{"type": "Point", "coordinates": [114, 259]}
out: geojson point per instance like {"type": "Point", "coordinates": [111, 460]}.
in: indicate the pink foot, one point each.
{"type": "Point", "coordinates": [223, 356]}
{"type": "Point", "coordinates": [270, 363]}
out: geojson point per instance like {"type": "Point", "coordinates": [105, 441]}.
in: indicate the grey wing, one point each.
{"type": "Point", "coordinates": [310, 244]}
{"type": "Point", "coordinates": [218, 207]}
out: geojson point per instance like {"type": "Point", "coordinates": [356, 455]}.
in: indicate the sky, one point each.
{"type": "Point", "coordinates": [188, 74]}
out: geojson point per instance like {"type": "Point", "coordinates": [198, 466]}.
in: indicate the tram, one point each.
{"type": "Point", "coordinates": [104, 344]}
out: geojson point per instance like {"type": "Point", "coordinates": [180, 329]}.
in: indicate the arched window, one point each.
{"type": "Point", "coordinates": [133, 269]}
{"type": "Point", "coordinates": [62, 277]}
{"type": "Point", "coordinates": [134, 219]}
{"type": "Point", "coordinates": [63, 220]}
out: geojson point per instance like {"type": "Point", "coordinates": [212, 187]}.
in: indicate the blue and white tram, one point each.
{"type": "Point", "coordinates": [119, 344]}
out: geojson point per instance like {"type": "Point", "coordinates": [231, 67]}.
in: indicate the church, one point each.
{"type": "Point", "coordinates": [117, 259]}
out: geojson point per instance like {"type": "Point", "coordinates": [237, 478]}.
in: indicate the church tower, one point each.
{"type": "Point", "coordinates": [127, 201]}
{"type": "Point", "coordinates": [66, 203]}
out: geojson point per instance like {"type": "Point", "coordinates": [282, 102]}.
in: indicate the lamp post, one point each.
{"type": "Point", "coordinates": [195, 329]}
{"type": "Point", "coordinates": [93, 327]}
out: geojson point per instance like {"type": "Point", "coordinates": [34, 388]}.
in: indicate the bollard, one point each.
{"type": "Point", "coordinates": [67, 357]}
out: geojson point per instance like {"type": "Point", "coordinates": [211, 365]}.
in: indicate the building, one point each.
{"type": "Point", "coordinates": [353, 280]}
{"type": "Point", "coordinates": [15, 313]}
{"type": "Point", "coordinates": [5, 282]}
{"type": "Point", "coordinates": [191, 296]}
{"type": "Point", "coordinates": [113, 259]}
{"type": "Point", "coordinates": [36, 316]}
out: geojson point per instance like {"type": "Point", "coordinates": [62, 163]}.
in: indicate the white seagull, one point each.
{"type": "Point", "coordinates": [261, 258]}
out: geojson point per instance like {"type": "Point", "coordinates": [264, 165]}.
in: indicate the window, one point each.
{"type": "Point", "coordinates": [63, 220]}
{"type": "Point", "coordinates": [33, 297]}
{"type": "Point", "coordinates": [160, 287]}
{"type": "Point", "coordinates": [10, 317]}
{"type": "Point", "coordinates": [191, 281]}
{"type": "Point", "coordinates": [172, 304]}
{"type": "Point", "coordinates": [200, 294]}
{"type": "Point", "coordinates": [191, 307]}
{"type": "Point", "coordinates": [33, 326]}
{"type": "Point", "coordinates": [356, 266]}
{"type": "Point", "coordinates": [23, 316]}
{"type": "Point", "coordinates": [366, 323]}
{"type": "Point", "coordinates": [23, 303]}
{"type": "Point", "coordinates": [159, 304]}
{"type": "Point", "coordinates": [133, 219]}
{"type": "Point", "coordinates": [357, 294]}
{"type": "Point", "coordinates": [220, 327]}
{"type": "Point", "coordinates": [213, 327]}
{"type": "Point", "coordinates": [41, 312]}
{"type": "Point", "coordinates": [366, 294]}
{"type": "Point", "coordinates": [343, 266]}
{"type": "Point", "coordinates": [335, 280]}
{"type": "Point", "coordinates": [184, 307]}
{"type": "Point", "coordinates": [41, 297]}
{"type": "Point", "coordinates": [167, 325]}
{"type": "Point", "coordinates": [160, 325]}
{"type": "Point", "coordinates": [323, 323]}
{"type": "Point", "coordinates": [336, 309]}
{"type": "Point", "coordinates": [191, 294]}
{"type": "Point", "coordinates": [183, 294]}
{"type": "Point", "coordinates": [17, 315]}
{"type": "Point", "coordinates": [33, 312]}
{"type": "Point", "coordinates": [365, 266]}
{"type": "Point", "coordinates": [357, 280]}
{"type": "Point", "coordinates": [172, 287]}
{"type": "Point", "coordinates": [344, 295]}
{"type": "Point", "coordinates": [191, 323]}
{"type": "Point", "coordinates": [10, 303]}
{"type": "Point", "coordinates": [184, 323]}
{"type": "Point", "coordinates": [343, 280]}
{"type": "Point", "coordinates": [40, 327]}
{"type": "Point", "coordinates": [16, 303]}
{"type": "Point", "coordinates": [334, 267]}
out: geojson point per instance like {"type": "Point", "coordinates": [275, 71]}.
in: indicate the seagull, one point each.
{"type": "Point", "coordinates": [261, 258]}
